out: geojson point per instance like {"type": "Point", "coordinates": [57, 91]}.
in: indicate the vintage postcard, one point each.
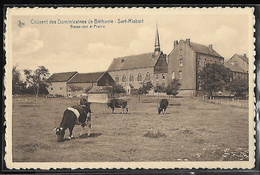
{"type": "Point", "coordinates": [130, 88]}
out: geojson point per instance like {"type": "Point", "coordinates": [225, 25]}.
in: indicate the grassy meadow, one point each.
{"type": "Point", "coordinates": [191, 130]}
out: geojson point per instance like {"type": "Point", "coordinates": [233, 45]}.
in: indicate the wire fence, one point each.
{"type": "Point", "coordinates": [241, 103]}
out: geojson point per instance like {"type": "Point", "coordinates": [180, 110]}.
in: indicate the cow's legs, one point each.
{"type": "Point", "coordinates": [71, 134]}
{"type": "Point", "coordinates": [81, 131]}
{"type": "Point", "coordinates": [113, 110]}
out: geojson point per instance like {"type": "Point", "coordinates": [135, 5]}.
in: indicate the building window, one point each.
{"type": "Point", "coordinates": [123, 78]}
{"type": "Point", "coordinates": [180, 52]}
{"type": "Point", "coordinates": [235, 63]}
{"type": "Point", "coordinates": [199, 85]}
{"type": "Point", "coordinates": [131, 78]}
{"type": "Point", "coordinates": [199, 74]}
{"type": "Point", "coordinates": [163, 76]}
{"type": "Point", "coordinates": [181, 62]}
{"type": "Point", "coordinates": [147, 76]}
{"type": "Point", "coordinates": [180, 74]}
{"type": "Point", "coordinates": [51, 88]}
{"type": "Point", "coordinates": [157, 77]}
{"type": "Point", "coordinates": [139, 77]}
{"type": "Point", "coordinates": [117, 78]}
{"type": "Point", "coordinates": [60, 88]}
{"type": "Point", "coordinates": [199, 62]}
{"type": "Point", "coordinates": [173, 76]}
{"type": "Point", "coordinates": [205, 62]}
{"type": "Point", "coordinates": [163, 85]}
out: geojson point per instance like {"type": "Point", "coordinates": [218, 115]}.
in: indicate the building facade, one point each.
{"type": "Point", "coordinates": [58, 83]}
{"type": "Point", "coordinates": [240, 61]}
{"type": "Point", "coordinates": [132, 71]}
{"type": "Point", "coordinates": [82, 82]}
{"type": "Point", "coordinates": [185, 62]}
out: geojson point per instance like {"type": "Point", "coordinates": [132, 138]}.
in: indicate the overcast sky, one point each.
{"type": "Point", "coordinates": [61, 48]}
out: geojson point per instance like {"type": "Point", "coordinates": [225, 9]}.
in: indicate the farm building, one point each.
{"type": "Point", "coordinates": [240, 61]}
{"type": "Point", "coordinates": [98, 94]}
{"type": "Point", "coordinates": [185, 62]}
{"type": "Point", "coordinates": [58, 83]}
{"type": "Point", "coordinates": [82, 82]}
{"type": "Point", "coordinates": [132, 71]}
{"type": "Point", "coordinates": [237, 72]}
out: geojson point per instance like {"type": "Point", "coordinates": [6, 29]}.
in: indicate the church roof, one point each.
{"type": "Point", "coordinates": [233, 68]}
{"type": "Point", "coordinates": [203, 49]}
{"type": "Point", "coordinates": [61, 77]}
{"type": "Point", "coordinates": [134, 61]}
{"type": "Point", "coordinates": [86, 77]}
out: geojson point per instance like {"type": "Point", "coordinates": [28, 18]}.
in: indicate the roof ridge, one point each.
{"type": "Point", "coordinates": [134, 55]}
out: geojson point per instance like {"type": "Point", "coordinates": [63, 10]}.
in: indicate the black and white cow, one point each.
{"type": "Point", "coordinates": [74, 115]}
{"type": "Point", "coordinates": [118, 103]}
{"type": "Point", "coordinates": [163, 105]}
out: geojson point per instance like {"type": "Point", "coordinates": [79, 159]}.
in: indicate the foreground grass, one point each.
{"type": "Point", "coordinates": [192, 130]}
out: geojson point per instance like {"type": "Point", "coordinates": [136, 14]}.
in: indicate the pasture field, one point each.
{"type": "Point", "coordinates": [191, 130]}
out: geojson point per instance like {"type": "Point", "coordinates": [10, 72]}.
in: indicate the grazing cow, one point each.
{"type": "Point", "coordinates": [163, 105]}
{"type": "Point", "coordinates": [118, 103]}
{"type": "Point", "coordinates": [80, 115]}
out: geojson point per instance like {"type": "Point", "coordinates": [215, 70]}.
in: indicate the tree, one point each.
{"type": "Point", "coordinates": [115, 89]}
{"type": "Point", "coordinates": [173, 88]}
{"type": "Point", "coordinates": [37, 78]}
{"type": "Point", "coordinates": [238, 87]}
{"type": "Point", "coordinates": [18, 86]}
{"type": "Point", "coordinates": [158, 89]}
{"type": "Point", "coordinates": [214, 77]}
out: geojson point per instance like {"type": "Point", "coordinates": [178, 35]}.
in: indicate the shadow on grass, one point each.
{"type": "Point", "coordinates": [91, 135]}
{"type": "Point", "coordinates": [120, 113]}
{"type": "Point", "coordinates": [177, 104]}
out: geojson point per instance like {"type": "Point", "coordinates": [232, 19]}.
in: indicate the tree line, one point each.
{"type": "Point", "coordinates": [213, 78]}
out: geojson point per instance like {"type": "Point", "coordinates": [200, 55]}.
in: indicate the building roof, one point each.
{"type": "Point", "coordinates": [86, 77]}
{"type": "Point", "coordinates": [243, 57]}
{"type": "Point", "coordinates": [203, 49]}
{"type": "Point", "coordinates": [61, 77]}
{"type": "Point", "coordinates": [98, 89]}
{"type": "Point", "coordinates": [233, 68]}
{"type": "Point", "coordinates": [134, 61]}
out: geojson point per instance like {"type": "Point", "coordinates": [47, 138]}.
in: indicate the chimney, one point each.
{"type": "Point", "coordinates": [245, 55]}
{"type": "Point", "coordinates": [211, 47]}
{"type": "Point", "coordinates": [175, 43]}
{"type": "Point", "coordinates": [188, 41]}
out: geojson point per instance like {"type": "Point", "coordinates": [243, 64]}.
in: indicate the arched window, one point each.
{"type": "Point", "coordinates": [147, 76]}
{"type": "Point", "coordinates": [131, 78]}
{"type": "Point", "coordinates": [180, 74]}
{"type": "Point", "coordinates": [163, 76]}
{"type": "Point", "coordinates": [173, 75]}
{"type": "Point", "coordinates": [123, 78]}
{"type": "Point", "coordinates": [117, 78]}
{"type": "Point", "coordinates": [139, 77]}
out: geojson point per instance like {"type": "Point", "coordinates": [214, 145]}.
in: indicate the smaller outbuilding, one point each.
{"type": "Point", "coordinates": [98, 94]}
{"type": "Point", "coordinates": [81, 83]}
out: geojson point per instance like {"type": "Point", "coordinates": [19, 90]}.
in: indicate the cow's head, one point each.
{"type": "Point", "coordinates": [159, 110]}
{"type": "Point", "coordinates": [87, 107]}
{"type": "Point", "coordinates": [60, 132]}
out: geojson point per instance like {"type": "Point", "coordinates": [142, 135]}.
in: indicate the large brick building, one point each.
{"type": "Point", "coordinates": [185, 62]}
